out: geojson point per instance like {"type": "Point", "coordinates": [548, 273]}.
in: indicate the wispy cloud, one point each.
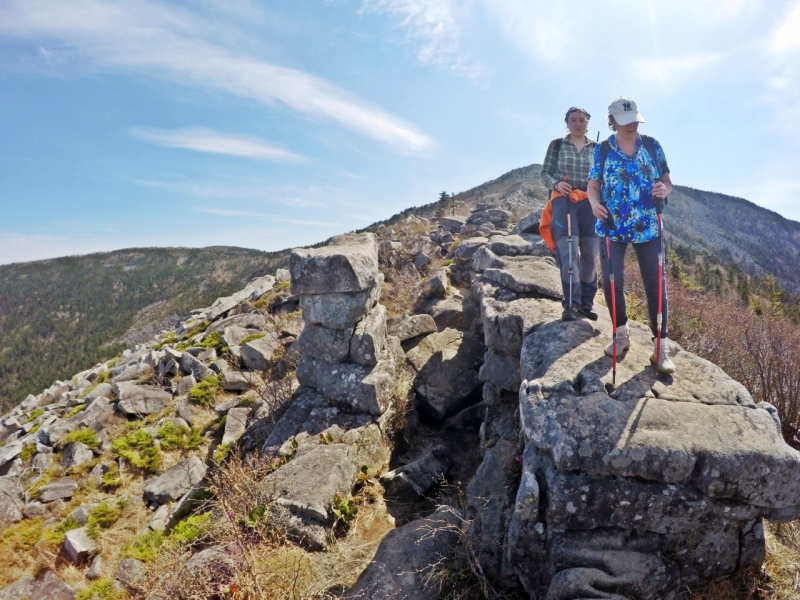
{"type": "Point", "coordinates": [787, 34]}
{"type": "Point", "coordinates": [431, 26]}
{"type": "Point", "coordinates": [154, 39]}
{"type": "Point", "coordinates": [296, 196]}
{"type": "Point", "coordinates": [213, 142]}
{"type": "Point", "coordinates": [224, 212]}
{"type": "Point", "coordinates": [665, 70]}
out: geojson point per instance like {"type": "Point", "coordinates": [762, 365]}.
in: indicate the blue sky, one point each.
{"type": "Point", "coordinates": [276, 124]}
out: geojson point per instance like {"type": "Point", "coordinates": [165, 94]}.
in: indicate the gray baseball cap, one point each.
{"type": "Point", "coordinates": [624, 111]}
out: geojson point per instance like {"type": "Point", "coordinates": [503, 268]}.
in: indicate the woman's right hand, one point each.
{"type": "Point", "coordinates": [563, 187]}
{"type": "Point", "coordinates": [599, 211]}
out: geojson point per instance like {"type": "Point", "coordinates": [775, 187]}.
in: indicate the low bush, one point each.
{"type": "Point", "coordinates": [35, 414]}
{"type": "Point", "coordinates": [103, 516]}
{"type": "Point", "coordinates": [145, 547]}
{"type": "Point", "coordinates": [102, 589]}
{"type": "Point", "coordinates": [84, 435]}
{"type": "Point", "coordinates": [178, 437]}
{"type": "Point", "coordinates": [28, 452]}
{"type": "Point", "coordinates": [139, 449]}
{"type": "Point", "coordinates": [204, 392]}
{"type": "Point", "coordinates": [56, 534]}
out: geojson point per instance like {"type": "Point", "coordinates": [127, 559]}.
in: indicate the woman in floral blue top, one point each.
{"type": "Point", "coordinates": [626, 181]}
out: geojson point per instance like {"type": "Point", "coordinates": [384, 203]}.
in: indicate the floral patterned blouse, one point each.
{"type": "Point", "coordinates": [626, 188]}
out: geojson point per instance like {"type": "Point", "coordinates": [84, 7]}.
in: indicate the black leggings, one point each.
{"type": "Point", "coordinates": [647, 256]}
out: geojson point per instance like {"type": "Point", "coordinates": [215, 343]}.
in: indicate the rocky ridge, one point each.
{"type": "Point", "coordinates": [572, 489]}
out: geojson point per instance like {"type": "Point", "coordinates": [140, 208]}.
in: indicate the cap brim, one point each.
{"type": "Point", "coordinates": [628, 118]}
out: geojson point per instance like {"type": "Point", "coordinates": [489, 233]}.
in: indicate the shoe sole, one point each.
{"type": "Point", "coordinates": [624, 349]}
{"type": "Point", "coordinates": [659, 369]}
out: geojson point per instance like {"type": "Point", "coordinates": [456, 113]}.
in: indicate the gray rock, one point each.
{"type": "Point", "coordinates": [175, 482]}
{"type": "Point", "coordinates": [234, 335]}
{"type": "Point", "coordinates": [235, 424]}
{"type": "Point", "coordinates": [76, 454]}
{"type": "Point", "coordinates": [453, 224]}
{"type": "Point", "coordinates": [349, 263]}
{"type": "Point", "coordinates": [135, 400]}
{"type": "Point", "coordinates": [14, 468]}
{"type": "Point", "coordinates": [505, 324]}
{"type": "Point", "coordinates": [416, 478]}
{"type": "Point", "coordinates": [255, 321]}
{"type": "Point", "coordinates": [10, 502]}
{"type": "Point", "coordinates": [530, 222]}
{"type": "Point", "coordinates": [364, 389]}
{"type": "Point", "coordinates": [484, 258]}
{"type": "Point", "coordinates": [160, 518]}
{"type": "Point", "coordinates": [421, 260]}
{"type": "Point", "coordinates": [528, 275]}
{"type": "Point", "coordinates": [135, 372]}
{"type": "Point", "coordinates": [511, 245]}
{"type": "Point", "coordinates": [96, 474]}
{"type": "Point", "coordinates": [45, 586]}
{"type": "Point", "coordinates": [467, 248]}
{"type": "Point", "coordinates": [214, 564]}
{"type": "Point", "coordinates": [403, 563]}
{"type": "Point", "coordinates": [339, 310]}
{"type": "Point", "coordinates": [330, 345]}
{"type": "Point", "coordinates": [95, 570]}
{"type": "Point", "coordinates": [185, 385]}
{"type": "Point", "coordinates": [283, 275]}
{"type": "Point", "coordinates": [34, 509]}
{"type": "Point", "coordinates": [455, 312]}
{"type": "Point", "coordinates": [102, 390]}
{"type": "Point", "coordinates": [10, 451]}
{"type": "Point", "coordinates": [79, 546]}
{"type": "Point", "coordinates": [369, 337]}
{"type": "Point", "coordinates": [446, 366]}
{"type": "Point", "coordinates": [437, 285]}
{"type": "Point", "coordinates": [303, 402]}
{"type": "Point", "coordinates": [258, 353]}
{"type": "Point", "coordinates": [503, 371]}
{"type": "Point", "coordinates": [234, 381]}
{"type": "Point", "coordinates": [412, 326]}
{"type": "Point", "coordinates": [64, 488]}
{"type": "Point", "coordinates": [220, 366]}
{"type": "Point", "coordinates": [129, 572]}
{"type": "Point", "coordinates": [192, 366]}
{"type": "Point", "coordinates": [94, 408]}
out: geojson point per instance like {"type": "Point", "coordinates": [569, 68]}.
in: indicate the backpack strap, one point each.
{"type": "Point", "coordinates": [604, 148]}
{"type": "Point", "coordinates": [650, 145]}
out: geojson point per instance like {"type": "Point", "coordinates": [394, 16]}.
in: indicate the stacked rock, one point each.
{"type": "Point", "coordinates": [346, 354]}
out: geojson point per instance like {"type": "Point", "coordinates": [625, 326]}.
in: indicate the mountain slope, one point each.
{"type": "Point", "coordinates": [57, 316]}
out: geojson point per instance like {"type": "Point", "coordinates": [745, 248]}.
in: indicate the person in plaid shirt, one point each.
{"type": "Point", "coordinates": [565, 171]}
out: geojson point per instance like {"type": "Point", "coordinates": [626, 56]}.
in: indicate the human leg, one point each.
{"type": "Point", "coordinates": [647, 255]}
{"type": "Point", "coordinates": [570, 282]}
{"type": "Point", "coordinates": [612, 266]}
{"type": "Point", "coordinates": [589, 245]}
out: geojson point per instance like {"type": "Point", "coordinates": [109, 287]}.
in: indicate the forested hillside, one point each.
{"type": "Point", "coordinates": [59, 316]}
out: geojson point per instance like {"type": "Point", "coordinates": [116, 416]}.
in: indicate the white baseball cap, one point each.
{"type": "Point", "coordinates": [624, 111]}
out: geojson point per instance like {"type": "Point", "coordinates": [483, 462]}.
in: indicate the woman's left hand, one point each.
{"type": "Point", "coordinates": [659, 190]}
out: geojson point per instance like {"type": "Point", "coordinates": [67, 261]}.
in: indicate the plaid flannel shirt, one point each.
{"type": "Point", "coordinates": [573, 164]}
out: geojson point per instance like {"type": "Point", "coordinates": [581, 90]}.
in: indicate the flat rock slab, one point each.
{"type": "Point", "coordinates": [45, 586]}
{"type": "Point", "coordinates": [192, 366]}
{"type": "Point", "coordinates": [727, 451]}
{"type": "Point", "coordinates": [349, 263]}
{"type": "Point", "coordinates": [558, 353]}
{"type": "Point", "coordinates": [175, 482]}
{"type": "Point", "coordinates": [255, 321]}
{"type": "Point", "coordinates": [416, 478]}
{"type": "Point", "coordinates": [76, 454]}
{"type": "Point", "coordinates": [513, 245]}
{"type": "Point", "coordinates": [340, 310]}
{"type": "Point", "coordinates": [412, 326]}
{"type": "Point", "coordinates": [135, 400]}
{"type": "Point", "coordinates": [528, 275]}
{"type": "Point", "coordinates": [402, 565]}
{"type": "Point", "coordinates": [59, 490]}
{"type": "Point", "coordinates": [234, 381]}
{"type": "Point", "coordinates": [235, 424]}
{"type": "Point", "coordinates": [446, 366]}
{"type": "Point", "coordinates": [79, 546]}
{"type": "Point", "coordinates": [308, 483]}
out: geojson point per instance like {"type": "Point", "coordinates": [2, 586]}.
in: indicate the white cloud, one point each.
{"type": "Point", "coordinates": [150, 38]}
{"type": "Point", "coordinates": [432, 26]}
{"type": "Point", "coordinates": [667, 70]}
{"type": "Point", "coordinates": [224, 212]}
{"type": "Point", "coordinates": [787, 34]}
{"type": "Point", "coordinates": [206, 140]}
{"type": "Point", "coordinates": [296, 196]}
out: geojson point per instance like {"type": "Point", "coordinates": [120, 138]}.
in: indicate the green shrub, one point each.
{"type": "Point", "coordinates": [75, 410]}
{"type": "Point", "coordinates": [170, 338]}
{"type": "Point", "coordinates": [199, 328]}
{"type": "Point", "coordinates": [84, 435]}
{"type": "Point", "coordinates": [111, 479]}
{"type": "Point", "coordinates": [21, 537]}
{"type": "Point", "coordinates": [35, 414]}
{"type": "Point", "coordinates": [89, 390]}
{"type": "Point", "coordinates": [212, 340]}
{"type": "Point", "coordinates": [220, 452]}
{"type": "Point", "coordinates": [178, 437]}
{"type": "Point", "coordinates": [145, 547]}
{"type": "Point", "coordinates": [28, 452]}
{"type": "Point", "coordinates": [139, 449]}
{"type": "Point", "coordinates": [102, 589]}
{"type": "Point", "coordinates": [57, 533]}
{"type": "Point", "coordinates": [103, 516]}
{"type": "Point", "coordinates": [190, 529]}
{"type": "Point", "coordinates": [203, 393]}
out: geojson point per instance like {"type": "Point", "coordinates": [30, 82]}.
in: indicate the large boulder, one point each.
{"type": "Point", "coordinates": [415, 479]}
{"type": "Point", "coordinates": [175, 482]}
{"type": "Point", "coordinates": [257, 354]}
{"type": "Point", "coordinates": [349, 263]}
{"type": "Point", "coordinates": [403, 564]}
{"type": "Point", "coordinates": [446, 366]}
{"type": "Point", "coordinates": [412, 326]}
{"type": "Point", "coordinates": [79, 546]}
{"type": "Point", "coordinates": [76, 454]}
{"type": "Point", "coordinates": [235, 424]}
{"type": "Point", "coordinates": [340, 310]}
{"type": "Point", "coordinates": [254, 321]}
{"type": "Point", "coordinates": [10, 502]}
{"type": "Point", "coordinates": [61, 489]}
{"type": "Point", "coordinates": [45, 586]}
{"type": "Point", "coordinates": [529, 274]}
{"type": "Point", "coordinates": [136, 400]}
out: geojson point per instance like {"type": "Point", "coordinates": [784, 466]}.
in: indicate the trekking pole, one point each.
{"type": "Point", "coordinates": [608, 225]}
{"type": "Point", "coordinates": [569, 240]}
{"type": "Point", "coordinates": [659, 316]}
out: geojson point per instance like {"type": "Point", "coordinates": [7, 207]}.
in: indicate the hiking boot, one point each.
{"type": "Point", "coordinates": [665, 364]}
{"type": "Point", "coordinates": [588, 312]}
{"type": "Point", "coordinates": [569, 314]}
{"type": "Point", "coordinates": [623, 341]}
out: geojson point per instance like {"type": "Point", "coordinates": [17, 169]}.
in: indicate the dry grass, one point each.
{"type": "Point", "coordinates": [778, 579]}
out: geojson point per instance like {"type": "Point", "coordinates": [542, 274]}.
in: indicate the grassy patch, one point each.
{"type": "Point", "coordinates": [139, 449]}
{"type": "Point", "coordinates": [190, 530]}
{"type": "Point", "coordinates": [250, 338]}
{"type": "Point", "coordinates": [221, 452]}
{"type": "Point", "coordinates": [145, 547]}
{"type": "Point", "coordinates": [212, 340]}
{"type": "Point", "coordinates": [111, 479]}
{"type": "Point", "coordinates": [35, 414]}
{"type": "Point", "coordinates": [203, 393]}
{"type": "Point", "coordinates": [16, 541]}
{"type": "Point", "coordinates": [102, 517]}
{"type": "Point", "coordinates": [84, 435]}
{"type": "Point", "coordinates": [102, 589]}
{"type": "Point", "coordinates": [75, 410]}
{"type": "Point", "coordinates": [170, 338]}
{"type": "Point", "coordinates": [198, 328]}
{"type": "Point", "coordinates": [28, 452]}
{"type": "Point", "coordinates": [89, 390]}
{"type": "Point", "coordinates": [178, 437]}
{"type": "Point", "coordinates": [44, 479]}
